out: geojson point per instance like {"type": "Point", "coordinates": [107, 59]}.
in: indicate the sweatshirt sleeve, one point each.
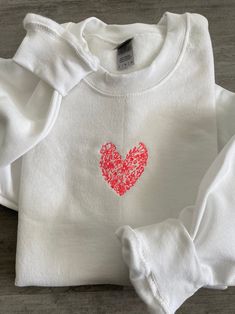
{"type": "Point", "coordinates": [48, 63]}
{"type": "Point", "coordinates": [169, 261]}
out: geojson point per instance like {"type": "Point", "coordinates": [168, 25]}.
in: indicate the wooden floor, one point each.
{"type": "Point", "coordinates": [104, 298]}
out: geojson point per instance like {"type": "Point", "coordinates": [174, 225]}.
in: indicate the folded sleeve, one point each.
{"type": "Point", "coordinates": [32, 84]}
{"type": "Point", "coordinates": [48, 63]}
{"type": "Point", "coordinates": [169, 261]}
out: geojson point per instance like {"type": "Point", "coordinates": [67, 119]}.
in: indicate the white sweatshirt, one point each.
{"type": "Point", "coordinates": [86, 148]}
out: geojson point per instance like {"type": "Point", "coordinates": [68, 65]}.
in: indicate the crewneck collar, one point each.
{"type": "Point", "coordinates": [60, 53]}
{"type": "Point", "coordinates": [175, 28]}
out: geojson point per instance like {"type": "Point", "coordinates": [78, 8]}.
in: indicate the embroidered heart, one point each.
{"type": "Point", "coordinates": [122, 174]}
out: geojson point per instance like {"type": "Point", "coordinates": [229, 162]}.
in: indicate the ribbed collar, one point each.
{"type": "Point", "coordinates": [60, 53]}
{"type": "Point", "coordinates": [175, 29]}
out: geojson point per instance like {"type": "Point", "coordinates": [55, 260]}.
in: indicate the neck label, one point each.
{"type": "Point", "coordinates": [125, 56]}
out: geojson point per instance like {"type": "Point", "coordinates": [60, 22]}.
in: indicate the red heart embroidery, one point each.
{"type": "Point", "coordinates": [122, 174]}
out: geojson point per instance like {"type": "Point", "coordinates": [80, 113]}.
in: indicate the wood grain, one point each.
{"type": "Point", "coordinates": [107, 298]}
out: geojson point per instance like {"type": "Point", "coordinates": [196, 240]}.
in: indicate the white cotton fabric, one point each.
{"type": "Point", "coordinates": [61, 99]}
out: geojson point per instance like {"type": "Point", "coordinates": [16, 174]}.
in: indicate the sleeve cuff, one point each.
{"type": "Point", "coordinates": [163, 266]}
{"type": "Point", "coordinates": [53, 54]}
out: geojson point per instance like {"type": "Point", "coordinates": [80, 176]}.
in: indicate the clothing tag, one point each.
{"type": "Point", "coordinates": [125, 56]}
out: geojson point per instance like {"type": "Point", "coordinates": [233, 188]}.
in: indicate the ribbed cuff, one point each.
{"type": "Point", "coordinates": [163, 265]}
{"type": "Point", "coordinates": [50, 52]}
